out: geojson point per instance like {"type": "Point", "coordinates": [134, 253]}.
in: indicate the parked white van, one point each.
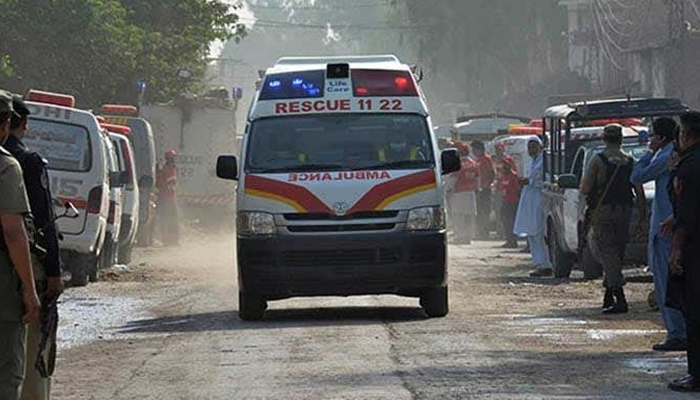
{"type": "Point", "coordinates": [72, 143]}
{"type": "Point", "coordinates": [130, 191]}
{"type": "Point", "coordinates": [110, 249]}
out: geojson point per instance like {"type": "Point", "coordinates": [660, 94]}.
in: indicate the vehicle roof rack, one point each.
{"type": "Point", "coordinates": [334, 60]}
{"type": "Point", "coordinates": [618, 108]}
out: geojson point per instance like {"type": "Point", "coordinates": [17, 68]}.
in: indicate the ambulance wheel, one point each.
{"type": "Point", "coordinates": [125, 254]}
{"type": "Point", "coordinates": [435, 302]}
{"type": "Point", "coordinates": [561, 261]}
{"type": "Point", "coordinates": [79, 269]}
{"type": "Point", "coordinates": [251, 306]}
{"type": "Point", "coordinates": [92, 265]}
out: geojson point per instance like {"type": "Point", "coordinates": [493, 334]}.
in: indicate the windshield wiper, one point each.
{"type": "Point", "coordinates": [396, 165]}
{"type": "Point", "coordinates": [301, 168]}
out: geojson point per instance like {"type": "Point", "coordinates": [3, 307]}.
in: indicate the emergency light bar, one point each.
{"type": "Point", "coordinates": [524, 130]}
{"type": "Point", "coordinates": [57, 99]}
{"type": "Point", "coordinates": [623, 122]}
{"type": "Point", "coordinates": [293, 85]}
{"type": "Point", "coordinates": [119, 109]}
{"type": "Point", "coordinates": [369, 82]}
{"type": "Point", "coordinates": [120, 129]}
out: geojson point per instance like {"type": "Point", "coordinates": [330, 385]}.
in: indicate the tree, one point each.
{"type": "Point", "coordinates": [98, 49]}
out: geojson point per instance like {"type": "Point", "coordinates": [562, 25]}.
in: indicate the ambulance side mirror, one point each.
{"type": "Point", "coordinates": [568, 181]}
{"type": "Point", "coordinates": [227, 168]}
{"type": "Point", "coordinates": [450, 161]}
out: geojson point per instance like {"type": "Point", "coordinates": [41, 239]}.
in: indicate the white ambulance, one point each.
{"type": "Point", "coordinates": [72, 143]}
{"type": "Point", "coordinates": [130, 192]}
{"type": "Point", "coordinates": [340, 186]}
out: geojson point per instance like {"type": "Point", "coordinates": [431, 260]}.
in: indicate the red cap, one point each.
{"type": "Point", "coordinates": [172, 153]}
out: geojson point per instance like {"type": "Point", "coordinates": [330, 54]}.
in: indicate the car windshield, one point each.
{"type": "Point", "coordinates": [339, 142]}
{"type": "Point", "coordinates": [65, 146]}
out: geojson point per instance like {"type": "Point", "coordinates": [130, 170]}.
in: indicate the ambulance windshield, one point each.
{"type": "Point", "coordinates": [65, 146]}
{"type": "Point", "coordinates": [339, 143]}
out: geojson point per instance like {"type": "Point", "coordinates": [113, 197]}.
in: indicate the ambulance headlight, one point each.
{"type": "Point", "coordinates": [426, 219]}
{"type": "Point", "coordinates": [256, 224]}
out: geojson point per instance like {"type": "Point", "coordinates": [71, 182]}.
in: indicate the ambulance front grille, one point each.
{"type": "Point", "coordinates": [372, 256]}
{"type": "Point", "coordinates": [340, 228]}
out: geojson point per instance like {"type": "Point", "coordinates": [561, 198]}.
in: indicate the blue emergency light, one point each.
{"type": "Point", "coordinates": [298, 85]}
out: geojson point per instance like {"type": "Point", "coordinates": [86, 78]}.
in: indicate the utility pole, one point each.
{"type": "Point", "coordinates": [676, 48]}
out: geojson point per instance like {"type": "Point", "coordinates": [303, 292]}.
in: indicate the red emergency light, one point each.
{"type": "Point", "coordinates": [525, 130]}
{"type": "Point", "coordinates": [119, 109]}
{"type": "Point", "coordinates": [370, 82]}
{"type": "Point", "coordinates": [120, 129]}
{"type": "Point", "coordinates": [101, 119]}
{"type": "Point", "coordinates": [57, 99]}
{"type": "Point", "coordinates": [536, 123]}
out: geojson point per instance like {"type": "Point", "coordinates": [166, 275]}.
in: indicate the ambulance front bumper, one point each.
{"type": "Point", "coordinates": [404, 263]}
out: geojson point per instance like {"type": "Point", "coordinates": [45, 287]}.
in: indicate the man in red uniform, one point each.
{"type": "Point", "coordinates": [509, 185]}
{"type": "Point", "coordinates": [483, 194]}
{"type": "Point", "coordinates": [462, 198]}
{"type": "Point", "coordinates": [167, 200]}
{"type": "Point", "coordinates": [498, 159]}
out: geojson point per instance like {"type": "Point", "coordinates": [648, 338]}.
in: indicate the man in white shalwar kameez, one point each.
{"type": "Point", "coordinates": [530, 218]}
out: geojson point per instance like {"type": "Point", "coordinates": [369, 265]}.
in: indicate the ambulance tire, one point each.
{"type": "Point", "coordinates": [80, 270]}
{"type": "Point", "coordinates": [562, 262]}
{"type": "Point", "coordinates": [251, 306]}
{"type": "Point", "coordinates": [435, 302]}
{"type": "Point", "coordinates": [125, 254]}
{"type": "Point", "coordinates": [108, 257]}
{"type": "Point", "coordinates": [93, 265]}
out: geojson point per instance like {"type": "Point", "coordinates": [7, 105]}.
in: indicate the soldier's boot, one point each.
{"type": "Point", "coordinates": [620, 306]}
{"type": "Point", "coordinates": [608, 299]}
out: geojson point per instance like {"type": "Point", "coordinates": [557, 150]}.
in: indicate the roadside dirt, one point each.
{"type": "Point", "coordinates": [508, 336]}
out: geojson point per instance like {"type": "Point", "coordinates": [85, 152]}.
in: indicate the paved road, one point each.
{"type": "Point", "coordinates": [167, 329]}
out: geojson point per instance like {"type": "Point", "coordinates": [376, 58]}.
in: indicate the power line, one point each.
{"type": "Point", "coordinates": [283, 24]}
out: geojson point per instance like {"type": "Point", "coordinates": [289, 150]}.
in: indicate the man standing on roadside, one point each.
{"type": "Point", "coordinates": [610, 195]}
{"type": "Point", "coordinates": [653, 166]}
{"type": "Point", "coordinates": [508, 185]}
{"type": "Point", "coordinates": [483, 194]}
{"type": "Point", "coordinates": [47, 268]}
{"type": "Point", "coordinates": [530, 217]}
{"type": "Point", "coordinates": [168, 220]}
{"type": "Point", "coordinates": [19, 303]}
{"type": "Point", "coordinates": [685, 247]}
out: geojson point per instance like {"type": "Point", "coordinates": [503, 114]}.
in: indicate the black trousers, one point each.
{"type": "Point", "coordinates": [692, 327]}
{"type": "Point", "coordinates": [508, 213]}
{"type": "Point", "coordinates": [483, 212]}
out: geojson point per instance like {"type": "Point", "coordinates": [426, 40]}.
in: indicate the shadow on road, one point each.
{"type": "Point", "coordinates": [527, 375]}
{"type": "Point", "coordinates": [275, 319]}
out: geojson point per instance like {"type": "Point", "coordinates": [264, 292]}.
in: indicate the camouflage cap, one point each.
{"type": "Point", "coordinates": [6, 103]}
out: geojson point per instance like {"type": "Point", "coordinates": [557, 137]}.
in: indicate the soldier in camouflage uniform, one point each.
{"type": "Point", "coordinates": [19, 303]}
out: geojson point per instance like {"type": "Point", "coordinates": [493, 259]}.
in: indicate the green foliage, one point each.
{"type": "Point", "coordinates": [98, 49]}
